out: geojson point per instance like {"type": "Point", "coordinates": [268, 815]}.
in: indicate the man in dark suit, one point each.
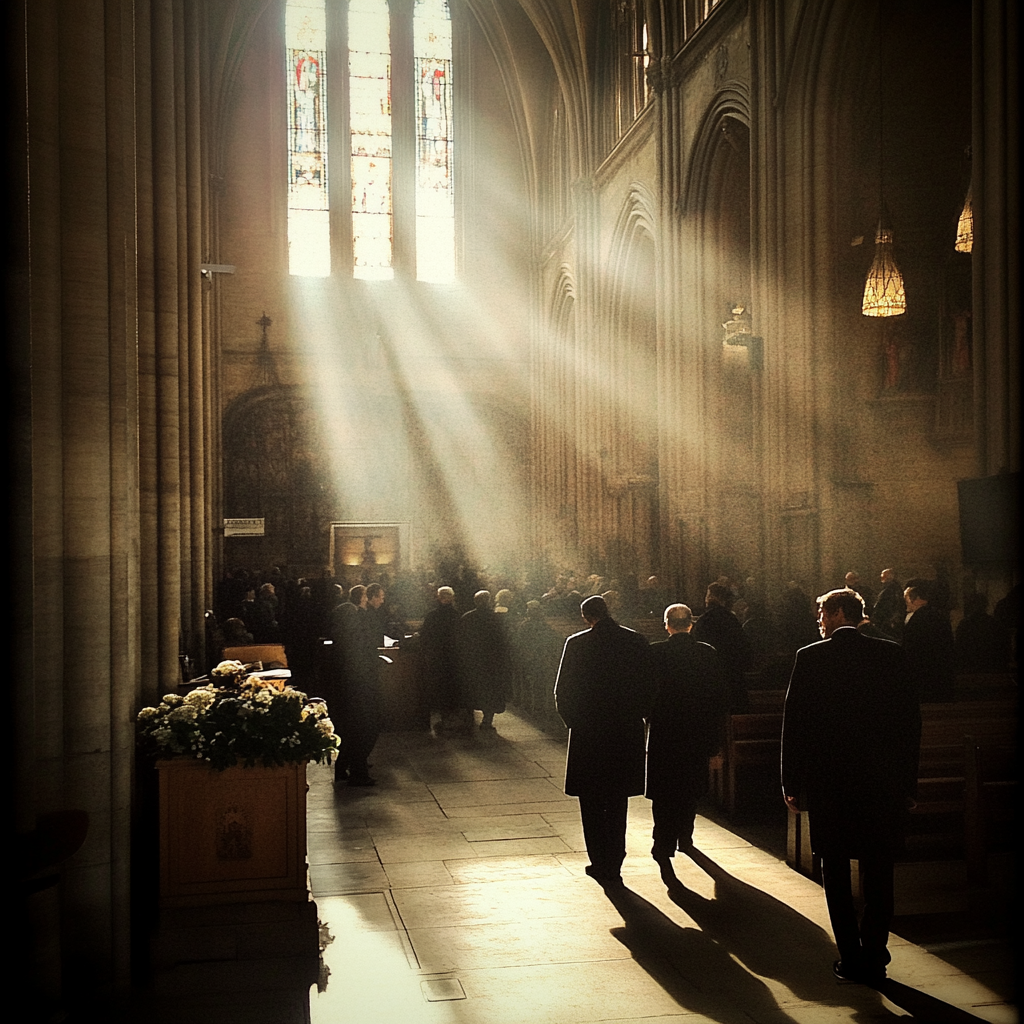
{"type": "Point", "coordinates": [361, 699]}
{"type": "Point", "coordinates": [850, 740]}
{"type": "Point", "coordinates": [889, 610]}
{"type": "Point", "coordinates": [603, 691]}
{"type": "Point", "coordinates": [685, 729]}
{"type": "Point", "coordinates": [720, 628]}
{"type": "Point", "coordinates": [928, 642]}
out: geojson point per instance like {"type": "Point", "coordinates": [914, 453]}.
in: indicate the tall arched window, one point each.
{"type": "Point", "coordinates": [401, 146]}
{"type": "Point", "coordinates": [309, 243]}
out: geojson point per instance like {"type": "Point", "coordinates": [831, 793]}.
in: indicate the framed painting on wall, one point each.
{"type": "Point", "coordinates": [361, 551]}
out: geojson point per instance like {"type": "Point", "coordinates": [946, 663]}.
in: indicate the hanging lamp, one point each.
{"type": "Point", "coordinates": [965, 225]}
{"type": "Point", "coordinates": [883, 290]}
{"type": "Point", "coordinates": [884, 294]}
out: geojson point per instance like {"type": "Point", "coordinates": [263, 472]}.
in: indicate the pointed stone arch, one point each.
{"type": "Point", "coordinates": [631, 460]}
{"type": "Point", "coordinates": [556, 423]}
{"type": "Point", "coordinates": [717, 208]}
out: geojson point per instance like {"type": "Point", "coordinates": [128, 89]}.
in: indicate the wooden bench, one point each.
{"type": "Point", "coordinates": [950, 736]}
{"type": "Point", "coordinates": [990, 801]}
{"type": "Point", "coordinates": [750, 740]}
{"type": "Point", "coordinates": [966, 784]}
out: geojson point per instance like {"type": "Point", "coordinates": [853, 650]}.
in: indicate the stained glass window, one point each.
{"type": "Point", "coordinates": [426, 143]}
{"type": "Point", "coordinates": [309, 239]}
{"type": "Point", "coordinates": [369, 68]}
{"type": "Point", "coordinates": [435, 194]}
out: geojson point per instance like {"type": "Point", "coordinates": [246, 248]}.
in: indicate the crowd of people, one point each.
{"type": "Point", "coordinates": [643, 718]}
{"type": "Point", "coordinates": [487, 640]}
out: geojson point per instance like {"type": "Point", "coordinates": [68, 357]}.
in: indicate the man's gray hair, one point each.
{"type": "Point", "coordinates": [679, 617]}
{"type": "Point", "coordinates": [445, 592]}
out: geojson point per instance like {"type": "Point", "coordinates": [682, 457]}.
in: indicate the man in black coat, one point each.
{"type": "Point", "coordinates": [485, 661]}
{"type": "Point", "coordinates": [890, 609]}
{"type": "Point", "coordinates": [362, 704]}
{"type": "Point", "coordinates": [928, 643]}
{"type": "Point", "coordinates": [850, 740]}
{"type": "Point", "coordinates": [720, 628]}
{"type": "Point", "coordinates": [603, 692]}
{"type": "Point", "coordinates": [685, 729]}
{"type": "Point", "coordinates": [439, 636]}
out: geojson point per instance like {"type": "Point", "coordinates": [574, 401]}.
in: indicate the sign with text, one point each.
{"type": "Point", "coordinates": [243, 527]}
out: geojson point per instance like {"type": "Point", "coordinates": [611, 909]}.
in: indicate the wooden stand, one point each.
{"type": "Point", "coordinates": [235, 836]}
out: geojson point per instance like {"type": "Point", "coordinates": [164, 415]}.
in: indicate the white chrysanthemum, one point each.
{"type": "Point", "coordinates": [200, 698]}
{"type": "Point", "coordinates": [228, 668]}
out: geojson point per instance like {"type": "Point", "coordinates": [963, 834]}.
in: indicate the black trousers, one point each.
{"type": "Point", "coordinates": [674, 807]}
{"type": "Point", "coordinates": [604, 830]}
{"type": "Point", "coordinates": [362, 716]}
{"type": "Point", "coordinates": [862, 943]}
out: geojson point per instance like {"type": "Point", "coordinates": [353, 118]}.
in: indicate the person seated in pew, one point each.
{"type": "Point", "coordinates": [981, 642]}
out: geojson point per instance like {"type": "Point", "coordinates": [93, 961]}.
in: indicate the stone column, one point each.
{"type": "Point", "coordinates": [784, 245]}
{"type": "Point", "coordinates": [996, 252]}
{"type": "Point", "coordinates": [163, 444]}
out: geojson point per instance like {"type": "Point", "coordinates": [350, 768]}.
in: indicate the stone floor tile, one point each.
{"type": "Point", "coordinates": [428, 846]}
{"type": "Point", "coordinates": [520, 826]}
{"type": "Point", "coordinates": [336, 878]}
{"type": "Point", "coordinates": [525, 807]}
{"type": "Point", "coordinates": [410, 874]}
{"type": "Point", "coordinates": [327, 849]}
{"type": "Point", "coordinates": [476, 794]}
{"type": "Point", "coordinates": [519, 847]}
{"type": "Point", "coordinates": [500, 869]}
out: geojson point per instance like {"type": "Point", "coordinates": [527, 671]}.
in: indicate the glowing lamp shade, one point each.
{"type": "Point", "coordinates": [965, 227]}
{"type": "Point", "coordinates": [883, 289]}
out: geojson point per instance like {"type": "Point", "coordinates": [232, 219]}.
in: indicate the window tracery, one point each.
{"type": "Point", "coordinates": [420, 161]}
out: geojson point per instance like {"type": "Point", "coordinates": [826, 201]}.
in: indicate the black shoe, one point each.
{"type": "Point", "coordinates": [662, 852]}
{"type": "Point", "coordinates": [872, 977]}
{"type": "Point", "coordinates": [606, 879]}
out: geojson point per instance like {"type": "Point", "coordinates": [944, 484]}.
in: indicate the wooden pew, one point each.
{"type": "Point", "coordinates": [966, 784]}
{"type": "Point", "coordinates": [990, 801]}
{"type": "Point", "coordinates": [750, 740]}
{"type": "Point", "coordinates": [950, 736]}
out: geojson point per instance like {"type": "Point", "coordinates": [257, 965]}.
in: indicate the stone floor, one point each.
{"type": "Point", "coordinates": [453, 892]}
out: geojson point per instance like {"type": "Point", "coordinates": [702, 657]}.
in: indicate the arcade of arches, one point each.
{"type": "Point", "coordinates": [574, 395]}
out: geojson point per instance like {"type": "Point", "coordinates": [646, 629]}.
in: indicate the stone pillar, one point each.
{"type": "Point", "coordinates": [681, 371]}
{"type": "Point", "coordinates": [163, 445]}
{"type": "Point", "coordinates": [593, 427]}
{"type": "Point", "coordinates": [784, 248]}
{"type": "Point", "coordinates": [996, 252]}
{"type": "Point", "coordinates": [97, 359]}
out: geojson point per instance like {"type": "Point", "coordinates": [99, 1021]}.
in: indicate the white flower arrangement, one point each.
{"type": "Point", "coordinates": [241, 721]}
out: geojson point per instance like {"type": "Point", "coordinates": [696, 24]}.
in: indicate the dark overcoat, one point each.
{"type": "Point", "coordinates": [931, 656]}
{"type": "Point", "coordinates": [485, 662]}
{"type": "Point", "coordinates": [603, 692]}
{"type": "Point", "coordinates": [720, 628]}
{"type": "Point", "coordinates": [685, 723]}
{"type": "Point", "coordinates": [850, 741]}
{"type": "Point", "coordinates": [439, 636]}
